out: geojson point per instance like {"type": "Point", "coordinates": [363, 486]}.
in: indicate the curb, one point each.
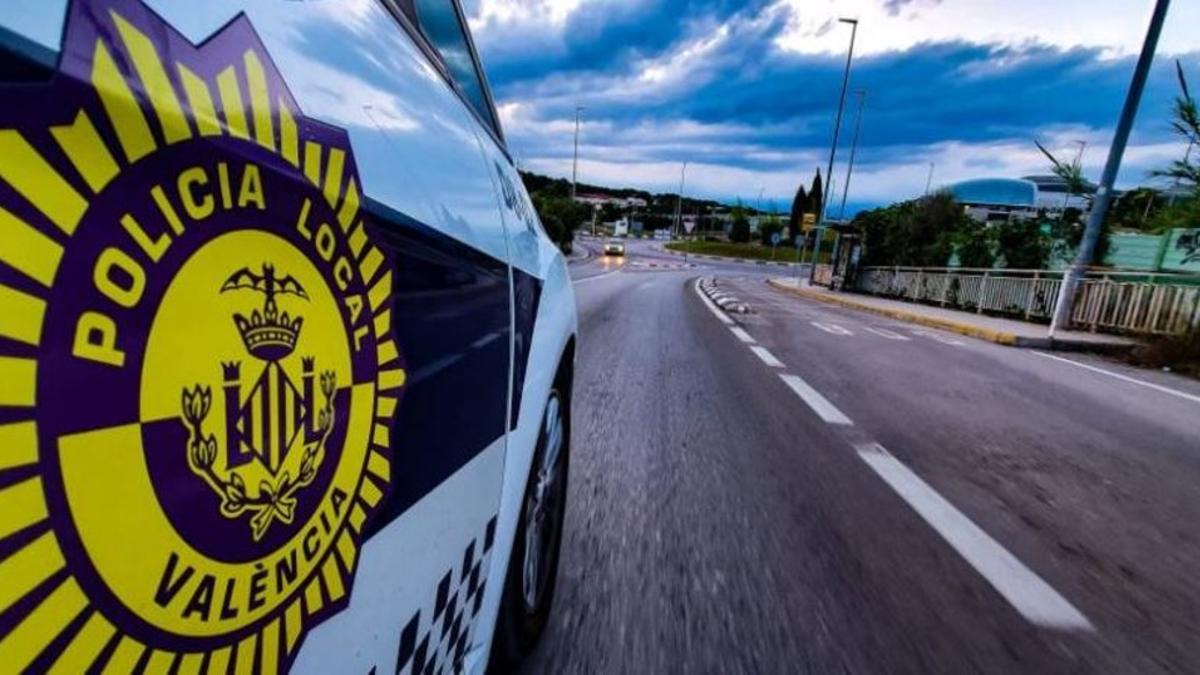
{"type": "Point", "coordinates": [728, 303]}
{"type": "Point", "coordinates": [747, 261]}
{"type": "Point", "coordinates": [999, 337]}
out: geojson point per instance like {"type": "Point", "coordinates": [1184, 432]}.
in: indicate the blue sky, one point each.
{"type": "Point", "coordinates": [746, 91]}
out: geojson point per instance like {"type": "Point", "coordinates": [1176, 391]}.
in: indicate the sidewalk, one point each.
{"type": "Point", "coordinates": [1001, 331]}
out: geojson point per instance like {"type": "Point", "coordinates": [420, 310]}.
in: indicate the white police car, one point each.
{"type": "Point", "coordinates": [285, 355]}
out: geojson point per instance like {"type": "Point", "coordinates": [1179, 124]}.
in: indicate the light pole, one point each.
{"type": "Point", "coordinates": [1087, 247]}
{"type": "Point", "coordinates": [862, 96]}
{"type": "Point", "coordinates": [837, 128]}
{"type": "Point", "coordinates": [679, 202]}
{"type": "Point", "coordinates": [575, 161]}
{"type": "Point", "coordinates": [929, 179]}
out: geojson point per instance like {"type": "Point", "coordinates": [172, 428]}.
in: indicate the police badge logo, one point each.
{"type": "Point", "coordinates": [197, 366]}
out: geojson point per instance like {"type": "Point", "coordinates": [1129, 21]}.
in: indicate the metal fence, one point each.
{"type": "Point", "coordinates": [1117, 302]}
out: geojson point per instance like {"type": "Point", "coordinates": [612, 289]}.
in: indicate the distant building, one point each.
{"type": "Point", "coordinates": [996, 199]}
{"type": "Point", "coordinates": [619, 202]}
{"type": "Point", "coordinates": [999, 199]}
{"type": "Point", "coordinates": [1052, 194]}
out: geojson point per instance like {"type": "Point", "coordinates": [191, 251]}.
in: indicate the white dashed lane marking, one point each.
{"type": "Point", "coordinates": [827, 411]}
{"type": "Point", "coordinates": [766, 356]}
{"type": "Point", "coordinates": [885, 333]}
{"type": "Point", "coordinates": [831, 328]}
{"type": "Point", "coordinates": [1032, 597]}
{"type": "Point", "coordinates": [742, 335]}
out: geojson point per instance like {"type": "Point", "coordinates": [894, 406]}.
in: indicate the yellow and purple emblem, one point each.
{"type": "Point", "coordinates": [197, 366]}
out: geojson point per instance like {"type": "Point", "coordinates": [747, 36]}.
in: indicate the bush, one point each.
{"type": "Point", "coordinates": [1022, 244]}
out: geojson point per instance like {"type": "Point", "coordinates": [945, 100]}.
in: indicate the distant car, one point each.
{"type": "Point", "coordinates": [614, 248]}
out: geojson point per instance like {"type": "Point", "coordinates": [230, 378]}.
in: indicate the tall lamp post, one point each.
{"type": "Point", "coordinates": [1087, 247]}
{"type": "Point", "coordinates": [862, 96]}
{"type": "Point", "coordinates": [679, 201]}
{"type": "Point", "coordinates": [575, 161]}
{"type": "Point", "coordinates": [837, 128]}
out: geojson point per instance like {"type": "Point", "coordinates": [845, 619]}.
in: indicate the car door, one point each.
{"type": "Point", "coordinates": [255, 345]}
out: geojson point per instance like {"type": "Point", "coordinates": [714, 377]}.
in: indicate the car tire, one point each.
{"type": "Point", "coordinates": [533, 566]}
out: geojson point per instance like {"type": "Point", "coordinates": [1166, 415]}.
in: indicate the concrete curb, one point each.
{"type": "Point", "coordinates": [728, 303]}
{"type": "Point", "coordinates": [746, 261]}
{"type": "Point", "coordinates": [960, 327]}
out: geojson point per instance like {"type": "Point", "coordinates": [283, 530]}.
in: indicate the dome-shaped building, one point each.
{"type": "Point", "coordinates": [992, 199]}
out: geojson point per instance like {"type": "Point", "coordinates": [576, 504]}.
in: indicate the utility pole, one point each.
{"type": "Point", "coordinates": [1087, 247]}
{"type": "Point", "coordinates": [862, 96]}
{"type": "Point", "coordinates": [929, 179]}
{"type": "Point", "coordinates": [575, 161]}
{"type": "Point", "coordinates": [679, 200]}
{"type": "Point", "coordinates": [837, 128]}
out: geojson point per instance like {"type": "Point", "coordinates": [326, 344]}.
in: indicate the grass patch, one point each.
{"type": "Point", "coordinates": [744, 251]}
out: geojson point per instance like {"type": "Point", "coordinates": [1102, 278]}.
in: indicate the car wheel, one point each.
{"type": "Point", "coordinates": [533, 566]}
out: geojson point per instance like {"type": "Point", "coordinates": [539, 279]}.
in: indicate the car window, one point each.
{"type": "Point", "coordinates": [440, 23]}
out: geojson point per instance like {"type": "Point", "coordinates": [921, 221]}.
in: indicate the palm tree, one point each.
{"type": "Point", "coordinates": [1186, 124]}
{"type": "Point", "coordinates": [1071, 173]}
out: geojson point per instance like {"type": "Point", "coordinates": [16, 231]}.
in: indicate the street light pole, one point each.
{"type": "Point", "coordinates": [929, 179]}
{"type": "Point", "coordinates": [862, 96]}
{"type": "Point", "coordinates": [1087, 247]}
{"type": "Point", "coordinates": [575, 161]}
{"type": "Point", "coordinates": [837, 128]}
{"type": "Point", "coordinates": [679, 201]}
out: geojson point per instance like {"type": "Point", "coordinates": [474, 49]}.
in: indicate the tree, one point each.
{"type": "Point", "coordinates": [739, 230]}
{"type": "Point", "coordinates": [816, 196]}
{"type": "Point", "coordinates": [1021, 243]}
{"type": "Point", "coordinates": [799, 206]}
{"type": "Point", "coordinates": [1133, 210]}
{"type": "Point", "coordinates": [1071, 172]}
{"type": "Point", "coordinates": [1187, 125]}
{"type": "Point", "coordinates": [922, 232]}
{"type": "Point", "coordinates": [767, 226]}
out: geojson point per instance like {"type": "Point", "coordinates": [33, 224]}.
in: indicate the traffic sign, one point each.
{"type": "Point", "coordinates": [775, 237]}
{"type": "Point", "coordinates": [689, 225]}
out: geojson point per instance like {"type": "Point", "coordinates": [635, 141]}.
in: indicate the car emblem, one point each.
{"type": "Point", "coordinates": [198, 371]}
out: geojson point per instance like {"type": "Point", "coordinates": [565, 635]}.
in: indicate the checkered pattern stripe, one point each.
{"type": "Point", "coordinates": [435, 639]}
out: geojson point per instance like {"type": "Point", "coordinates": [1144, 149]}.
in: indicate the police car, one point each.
{"type": "Point", "coordinates": [285, 354]}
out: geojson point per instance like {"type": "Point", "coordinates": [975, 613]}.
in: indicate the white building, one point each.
{"type": "Point", "coordinates": [619, 202]}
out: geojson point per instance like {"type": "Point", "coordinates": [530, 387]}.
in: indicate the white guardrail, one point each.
{"type": "Point", "coordinates": [1116, 302]}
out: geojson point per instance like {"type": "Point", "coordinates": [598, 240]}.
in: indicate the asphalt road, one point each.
{"type": "Point", "coordinates": [1028, 514]}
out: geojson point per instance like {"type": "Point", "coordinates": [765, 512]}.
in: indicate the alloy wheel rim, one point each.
{"type": "Point", "coordinates": [541, 508]}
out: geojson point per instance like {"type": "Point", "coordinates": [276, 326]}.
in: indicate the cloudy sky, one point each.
{"type": "Point", "coordinates": [746, 90]}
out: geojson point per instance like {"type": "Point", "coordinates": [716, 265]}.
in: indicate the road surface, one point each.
{"type": "Point", "coordinates": [821, 490]}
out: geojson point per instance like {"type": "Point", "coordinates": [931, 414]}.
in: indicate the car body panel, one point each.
{"type": "Point", "coordinates": [482, 311]}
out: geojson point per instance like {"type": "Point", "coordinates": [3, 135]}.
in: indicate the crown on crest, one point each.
{"type": "Point", "coordinates": [267, 334]}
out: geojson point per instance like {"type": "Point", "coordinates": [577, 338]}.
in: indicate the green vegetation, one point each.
{"type": "Point", "coordinates": [739, 228]}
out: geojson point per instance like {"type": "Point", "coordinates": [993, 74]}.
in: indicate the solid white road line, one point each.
{"type": "Point", "coordinates": [883, 332]}
{"type": "Point", "coordinates": [766, 356]}
{"type": "Point", "coordinates": [831, 328]}
{"type": "Point", "coordinates": [593, 278]}
{"type": "Point", "coordinates": [711, 307]}
{"type": "Point", "coordinates": [1157, 387]}
{"type": "Point", "coordinates": [1023, 589]}
{"type": "Point", "coordinates": [742, 335]}
{"type": "Point", "coordinates": [819, 404]}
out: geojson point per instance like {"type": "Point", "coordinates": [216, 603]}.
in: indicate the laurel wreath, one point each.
{"type": "Point", "coordinates": [273, 502]}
